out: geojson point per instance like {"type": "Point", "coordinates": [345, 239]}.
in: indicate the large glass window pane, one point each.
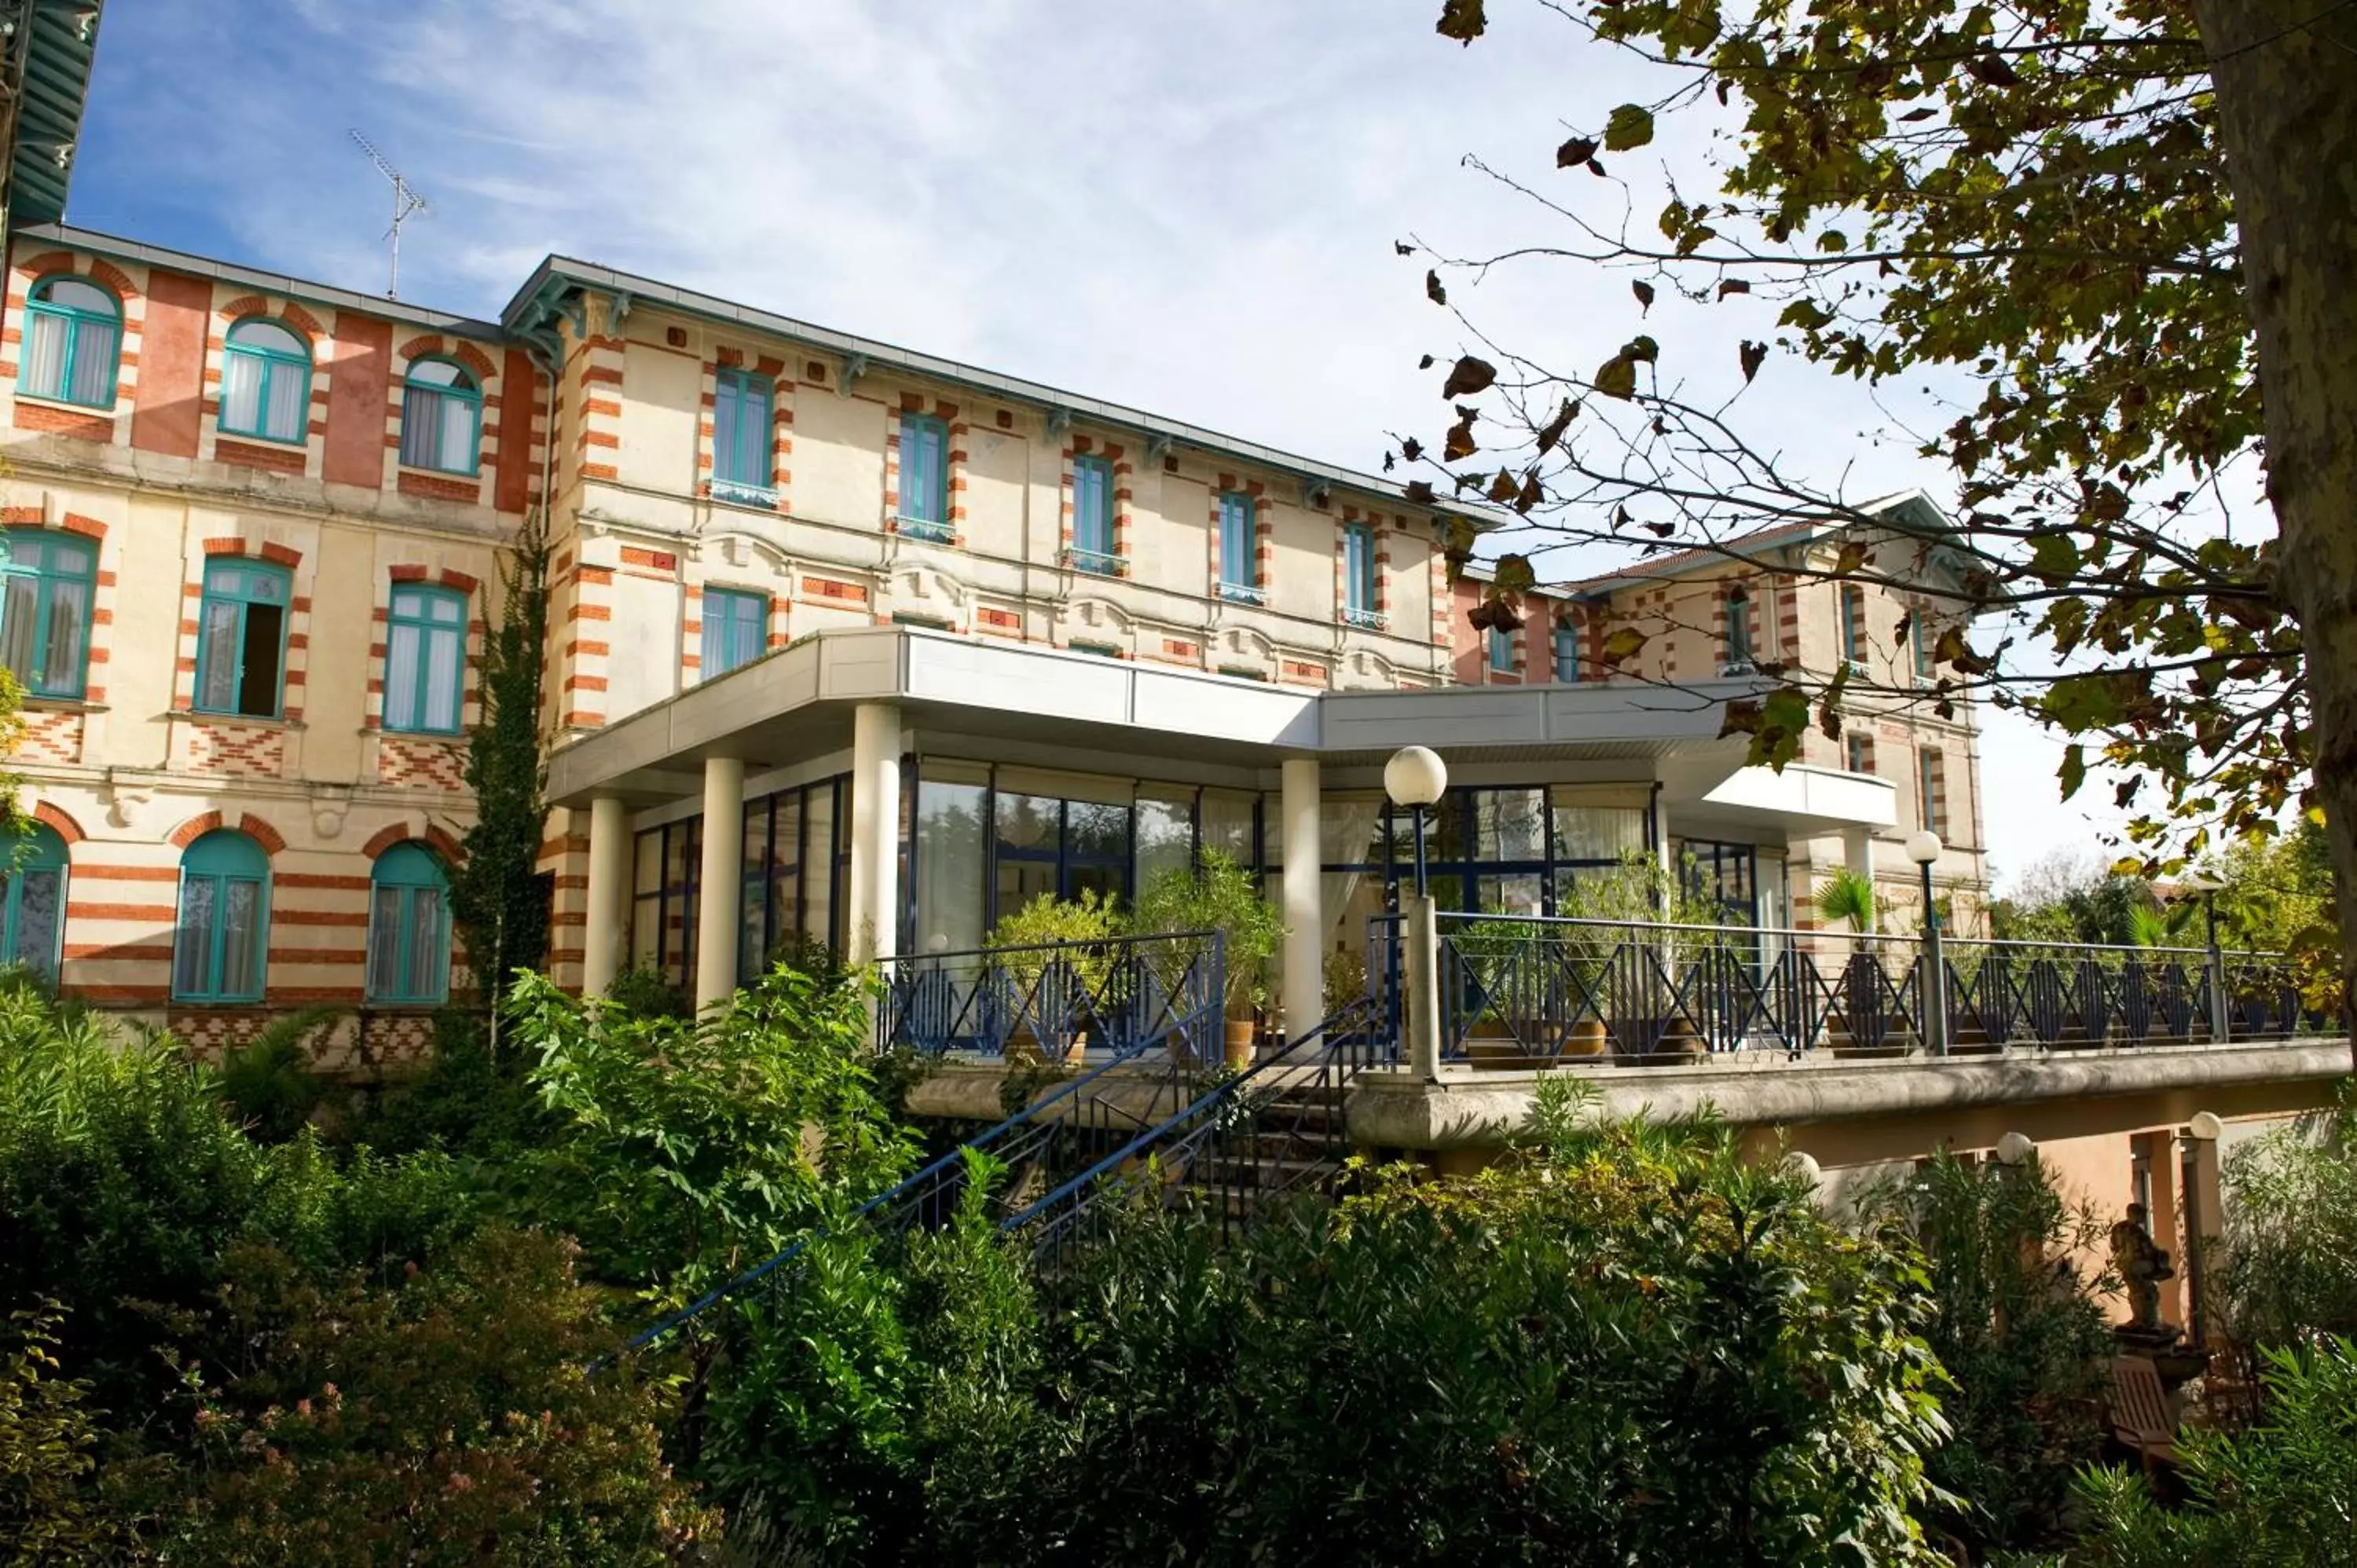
{"type": "Point", "coordinates": [1228, 824]}
{"type": "Point", "coordinates": [424, 981]}
{"type": "Point", "coordinates": [20, 619]}
{"type": "Point", "coordinates": [1514, 895]}
{"type": "Point", "coordinates": [384, 943]}
{"type": "Point", "coordinates": [94, 361]}
{"type": "Point", "coordinates": [818, 868]}
{"type": "Point", "coordinates": [240, 404]}
{"type": "Point", "coordinates": [1166, 836]}
{"type": "Point", "coordinates": [951, 862]}
{"type": "Point", "coordinates": [61, 657]}
{"type": "Point", "coordinates": [1096, 831]}
{"type": "Point", "coordinates": [37, 919]}
{"type": "Point", "coordinates": [1510, 824]}
{"type": "Point", "coordinates": [193, 947]}
{"type": "Point", "coordinates": [45, 354]}
{"type": "Point", "coordinates": [1029, 823]}
{"type": "Point", "coordinates": [241, 964]}
{"type": "Point", "coordinates": [219, 692]}
{"type": "Point", "coordinates": [1602, 833]}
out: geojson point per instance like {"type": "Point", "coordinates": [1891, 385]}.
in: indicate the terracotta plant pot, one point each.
{"type": "Point", "coordinates": [1585, 1037]}
{"type": "Point", "coordinates": [1242, 1033]}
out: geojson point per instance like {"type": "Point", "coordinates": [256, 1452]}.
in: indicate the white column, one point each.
{"type": "Point", "coordinates": [1857, 848]}
{"type": "Point", "coordinates": [607, 925]}
{"type": "Point", "coordinates": [1419, 931]}
{"type": "Point", "coordinates": [719, 910]}
{"type": "Point", "coordinates": [1305, 912]}
{"type": "Point", "coordinates": [875, 918]}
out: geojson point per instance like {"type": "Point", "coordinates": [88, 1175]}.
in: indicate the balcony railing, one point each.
{"type": "Point", "coordinates": [1054, 1002]}
{"type": "Point", "coordinates": [1524, 991]}
{"type": "Point", "coordinates": [1364, 620]}
{"type": "Point", "coordinates": [1243, 593]}
{"type": "Point", "coordinates": [1098, 563]}
{"type": "Point", "coordinates": [926, 529]}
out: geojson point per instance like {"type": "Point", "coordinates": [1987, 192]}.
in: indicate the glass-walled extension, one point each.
{"type": "Point", "coordinates": [797, 863]}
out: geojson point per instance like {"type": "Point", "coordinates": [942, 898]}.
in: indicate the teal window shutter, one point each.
{"type": "Point", "coordinates": [1501, 651]}
{"type": "Point", "coordinates": [265, 387]}
{"type": "Point", "coordinates": [1092, 502]}
{"type": "Point", "coordinates": [1566, 652]}
{"type": "Point", "coordinates": [241, 637]}
{"type": "Point", "coordinates": [441, 418]}
{"type": "Point", "coordinates": [1239, 578]}
{"type": "Point", "coordinates": [424, 659]}
{"type": "Point", "coordinates": [219, 943]}
{"type": "Point", "coordinates": [740, 434]}
{"type": "Point", "coordinates": [736, 629]}
{"type": "Point", "coordinates": [32, 871]}
{"type": "Point", "coordinates": [45, 599]}
{"type": "Point", "coordinates": [409, 927]}
{"type": "Point", "coordinates": [1359, 568]}
{"type": "Point", "coordinates": [925, 476]}
{"type": "Point", "coordinates": [1738, 629]}
{"type": "Point", "coordinates": [74, 342]}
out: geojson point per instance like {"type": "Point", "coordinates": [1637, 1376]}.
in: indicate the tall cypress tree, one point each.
{"type": "Point", "coordinates": [499, 898]}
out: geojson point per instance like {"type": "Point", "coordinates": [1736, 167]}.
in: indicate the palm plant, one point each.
{"type": "Point", "coordinates": [1844, 896]}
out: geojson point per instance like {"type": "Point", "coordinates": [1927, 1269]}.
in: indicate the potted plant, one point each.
{"type": "Point", "coordinates": [1217, 894]}
{"type": "Point", "coordinates": [1845, 896]}
{"type": "Point", "coordinates": [1496, 956]}
{"type": "Point", "coordinates": [1344, 977]}
{"type": "Point", "coordinates": [1056, 962]}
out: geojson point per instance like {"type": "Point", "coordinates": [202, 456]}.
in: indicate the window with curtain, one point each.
{"type": "Point", "coordinates": [73, 341]}
{"type": "Point", "coordinates": [1853, 628]}
{"type": "Point", "coordinates": [1239, 569]}
{"type": "Point", "coordinates": [1092, 516]}
{"type": "Point", "coordinates": [409, 927]}
{"type": "Point", "coordinates": [266, 383]}
{"type": "Point", "coordinates": [33, 872]}
{"type": "Point", "coordinates": [44, 610]}
{"type": "Point", "coordinates": [223, 929]}
{"type": "Point", "coordinates": [441, 417]}
{"type": "Point", "coordinates": [1926, 790]}
{"type": "Point", "coordinates": [1359, 587]}
{"type": "Point", "coordinates": [1501, 651]}
{"type": "Point", "coordinates": [736, 629]}
{"type": "Point", "coordinates": [1566, 652]}
{"type": "Point", "coordinates": [424, 659]}
{"type": "Point", "coordinates": [1859, 751]}
{"type": "Point", "coordinates": [740, 436]}
{"type": "Point", "coordinates": [925, 478]}
{"type": "Point", "coordinates": [1738, 629]}
{"type": "Point", "coordinates": [241, 637]}
{"type": "Point", "coordinates": [1919, 633]}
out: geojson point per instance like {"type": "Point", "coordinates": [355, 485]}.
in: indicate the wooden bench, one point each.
{"type": "Point", "coordinates": [2139, 1411]}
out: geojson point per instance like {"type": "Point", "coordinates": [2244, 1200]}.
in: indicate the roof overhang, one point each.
{"type": "Point", "coordinates": [51, 56]}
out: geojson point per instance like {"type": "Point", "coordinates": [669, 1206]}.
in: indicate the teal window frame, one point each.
{"type": "Point", "coordinates": [212, 870]}
{"type": "Point", "coordinates": [1093, 517]}
{"type": "Point", "coordinates": [1239, 548]}
{"type": "Point", "coordinates": [271, 364]}
{"type": "Point", "coordinates": [33, 851]}
{"type": "Point", "coordinates": [1858, 751]}
{"type": "Point", "coordinates": [435, 617]}
{"type": "Point", "coordinates": [1927, 664]}
{"type": "Point", "coordinates": [1566, 653]}
{"type": "Point", "coordinates": [924, 505]}
{"type": "Point", "coordinates": [403, 877]}
{"type": "Point", "coordinates": [78, 326]}
{"type": "Point", "coordinates": [736, 629]}
{"type": "Point", "coordinates": [1738, 629]}
{"type": "Point", "coordinates": [1361, 584]}
{"type": "Point", "coordinates": [743, 405]}
{"type": "Point", "coordinates": [1927, 770]}
{"type": "Point", "coordinates": [1501, 651]}
{"type": "Point", "coordinates": [1853, 620]}
{"type": "Point", "coordinates": [241, 596]}
{"type": "Point", "coordinates": [430, 398]}
{"type": "Point", "coordinates": [42, 558]}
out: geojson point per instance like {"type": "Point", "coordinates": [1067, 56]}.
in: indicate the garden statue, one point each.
{"type": "Point", "coordinates": [2142, 1267]}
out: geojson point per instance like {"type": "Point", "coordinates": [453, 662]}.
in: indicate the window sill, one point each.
{"type": "Point", "coordinates": [930, 532]}
{"type": "Point", "coordinates": [1097, 563]}
{"type": "Point", "coordinates": [34, 703]}
{"type": "Point", "coordinates": [425, 471]}
{"type": "Point", "coordinates": [221, 1003]}
{"type": "Point", "coordinates": [1243, 593]}
{"type": "Point", "coordinates": [440, 735]}
{"type": "Point", "coordinates": [292, 442]}
{"type": "Point", "coordinates": [405, 1004]}
{"type": "Point", "coordinates": [257, 721]}
{"type": "Point", "coordinates": [67, 403]}
{"type": "Point", "coordinates": [1366, 620]}
{"type": "Point", "coordinates": [736, 494]}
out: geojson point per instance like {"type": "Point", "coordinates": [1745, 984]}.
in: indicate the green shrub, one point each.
{"type": "Point", "coordinates": [2288, 1268]}
{"type": "Point", "coordinates": [269, 1081]}
{"type": "Point", "coordinates": [47, 1437]}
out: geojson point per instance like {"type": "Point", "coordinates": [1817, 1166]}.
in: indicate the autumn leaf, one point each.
{"type": "Point", "coordinates": [1461, 20]}
{"type": "Point", "coordinates": [1575, 152]}
{"type": "Point", "coordinates": [1432, 289]}
{"type": "Point", "coordinates": [1990, 70]}
{"type": "Point", "coordinates": [1460, 444]}
{"type": "Point", "coordinates": [1732, 286]}
{"type": "Point", "coordinates": [1617, 378]}
{"type": "Point", "coordinates": [1552, 431]}
{"type": "Point", "coordinates": [1419, 491]}
{"type": "Point", "coordinates": [1425, 363]}
{"type": "Point", "coordinates": [1740, 717]}
{"type": "Point", "coordinates": [1513, 575]}
{"type": "Point", "coordinates": [1644, 292]}
{"type": "Point", "coordinates": [1502, 488]}
{"type": "Point", "coordinates": [1468, 376]}
{"type": "Point", "coordinates": [1853, 555]}
{"type": "Point", "coordinates": [1631, 125]}
{"type": "Point", "coordinates": [1914, 115]}
{"type": "Point", "coordinates": [1412, 450]}
{"type": "Point", "coordinates": [1530, 494]}
{"type": "Point", "coordinates": [1753, 356]}
{"type": "Point", "coordinates": [1662, 529]}
{"type": "Point", "coordinates": [1401, 247]}
{"type": "Point", "coordinates": [1623, 645]}
{"type": "Point", "coordinates": [1642, 348]}
{"type": "Point", "coordinates": [2073, 771]}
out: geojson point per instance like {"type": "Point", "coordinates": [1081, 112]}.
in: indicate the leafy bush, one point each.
{"type": "Point", "coordinates": [2280, 1495]}
{"type": "Point", "coordinates": [445, 1419]}
{"type": "Point", "coordinates": [268, 1081]}
{"type": "Point", "coordinates": [46, 1435]}
{"type": "Point", "coordinates": [2025, 1345]}
{"type": "Point", "coordinates": [645, 992]}
{"type": "Point", "coordinates": [467, 1099]}
{"type": "Point", "coordinates": [2289, 1265]}
{"type": "Point", "coordinates": [1217, 895]}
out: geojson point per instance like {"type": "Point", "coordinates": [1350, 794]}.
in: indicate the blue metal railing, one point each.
{"type": "Point", "coordinates": [1120, 996]}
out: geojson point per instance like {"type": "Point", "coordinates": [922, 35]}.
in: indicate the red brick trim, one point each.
{"type": "Point", "coordinates": [195, 828]}
{"type": "Point", "coordinates": [460, 581]}
{"type": "Point", "coordinates": [56, 818]}
{"type": "Point", "coordinates": [260, 830]}
{"type": "Point", "coordinates": [89, 527]}
{"type": "Point", "coordinates": [385, 838]}
{"type": "Point", "coordinates": [440, 840]}
{"type": "Point", "coordinates": [277, 459]}
{"type": "Point", "coordinates": [79, 424]}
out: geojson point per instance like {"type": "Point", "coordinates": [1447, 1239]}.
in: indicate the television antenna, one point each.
{"type": "Point", "coordinates": [406, 201]}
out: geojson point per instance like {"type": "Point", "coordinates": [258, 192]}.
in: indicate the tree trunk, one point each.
{"type": "Point", "coordinates": [2287, 87]}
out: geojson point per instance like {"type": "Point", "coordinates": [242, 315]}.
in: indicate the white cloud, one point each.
{"type": "Point", "coordinates": [1188, 206]}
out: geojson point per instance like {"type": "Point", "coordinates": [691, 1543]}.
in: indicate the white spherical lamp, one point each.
{"type": "Point", "coordinates": [1804, 1165]}
{"type": "Point", "coordinates": [2015, 1149]}
{"type": "Point", "coordinates": [2206, 1126]}
{"type": "Point", "coordinates": [1924, 846]}
{"type": "Point", "coordinates": [1415, 777]}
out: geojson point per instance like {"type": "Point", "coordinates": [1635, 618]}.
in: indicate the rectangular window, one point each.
{"type": "Point", "coordinates": [925, 478]}
{"type": "Point", "coordinates": [1738, 631]}
{"type": "Point", "coordinates": [1927, 789]}
{"type": "Point", "coordinates": [424, 659]}
{"type": "Point", "coordinates": [1358, 584]}
{"type": "Point", "coordinates": [736, 629]}
{"type": "Point", "coordinates": [1092, 499]}
{"type": "Point", "coordinates": [45, 611]}
{"type": "Point", "coordinates": [218, 947]}
{"type": "Point", "coordinates": [1860, 752]}
{"type": "Point", "coordinates": [242, 639]}
{"type": "Point", "coordinates": [1853, 628]}
{"type": "Point", "coordinates": [740, 436]}
{"type": "Point", "coordinates": [1919, 634]}
{"type": "Point", "coordinates": [1566, 653]}
{"type": "Point", "coordinates": [1239, 569]}
{"type": "Point", "coordinates": [1501, 651]}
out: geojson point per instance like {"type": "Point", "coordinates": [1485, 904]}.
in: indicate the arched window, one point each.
{"type": "Point", "coordinates": [266, 383]}
{"type": "Point", "coordinates": [241, 637]}
{"type": "Point", "coordinates": [45, 588]}
{"type": "Point", "coordinates": [441, 417]}
{"type": "Point", "coordinates": [73, 333]}
{"type": "Point", "coordinates": [224, 925]}
{"type": "Point", "coordinates": [409, 927]}
{"type": "Point", "coordinates": [424, 659]}
{"type": "Point", "coordinates": [32, 871]}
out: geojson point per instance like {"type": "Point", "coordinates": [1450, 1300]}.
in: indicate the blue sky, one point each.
{"type": "Point", "coordinates": [1186, 205]}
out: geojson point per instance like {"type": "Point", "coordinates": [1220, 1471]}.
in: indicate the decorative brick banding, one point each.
{"type": "Point", "coordinates": [276, 459]}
